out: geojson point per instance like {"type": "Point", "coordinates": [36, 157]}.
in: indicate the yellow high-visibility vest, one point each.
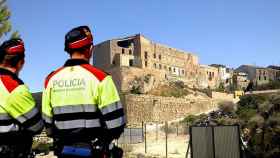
{"type": "Point", "coordinates": [18, 111]}
{"type": "Point", "coordinates": [80, 97]}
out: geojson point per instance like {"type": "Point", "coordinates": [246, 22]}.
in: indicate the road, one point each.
{"type": "Point", "coordinates": [263, 92]}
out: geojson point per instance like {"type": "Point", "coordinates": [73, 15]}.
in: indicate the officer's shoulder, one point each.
{"type": "Point", "coordinates": [51, 75]}
{"type": "Point", "coordinates": [11, 82]}
{"type": "Point", "coordinates": [97, 72]}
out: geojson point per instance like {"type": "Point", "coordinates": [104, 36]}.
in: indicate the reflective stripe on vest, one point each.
{"type": "Point", "coordinates": [66, 109]}
{"type": "Point", "coordinates": [7, 124]}
{"type": "Point", "coordinates": [82, 123]}
{"type": "Point", "coordinates": [115, 123]}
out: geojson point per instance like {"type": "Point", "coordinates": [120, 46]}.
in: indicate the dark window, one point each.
{"type": "Point", "coordinates": [169, 68]}
{"type": "Point", "coordinates": [130, 62]}
{"type": "Point", "coordinates": [113, 62]}
{"type": "Point", "coordinates": [155, 56]}
{"type": "Point", "coordinates": [259, 77]}
{"type": "Point", "coordinates": [155, 65]}
{"type": "Point", "coordinates": [159, 57]}
{"type": "Point", "coordinates": [146, 64]}
{"type": "Point", "coordinates": [264, 77]}
{"type": "Point", "coordinates": [122, 51]}
{"type": "Point", "coordinates": [159, 66]}
{"type": "Point", "coordinates": [130, 52]}
{"type": "Point", "coordinates": [146, 55]}
{"type": "Point", "coordinates": [183, 72]}
{"type": "Point", "coordinates": [174, 70]}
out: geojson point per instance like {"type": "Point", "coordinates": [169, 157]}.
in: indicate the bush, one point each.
{"type": "Point", "coordinates": [189, 120]}
{"type": "Point", "coordinates": [227, 106]}
{"type": "Point", "coordinates": [245, 113]}
{"type": "Point", "coordinates": [176, 89]}
{"type": "Point", "coordinates": [252, 101]}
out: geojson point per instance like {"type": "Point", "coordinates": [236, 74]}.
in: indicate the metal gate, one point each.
{"type": "Point", "coordinates": [215, 142]}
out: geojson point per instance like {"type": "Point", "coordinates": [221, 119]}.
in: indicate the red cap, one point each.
{"type": "Point", "coordinates": [78, 38]}
{"type": "Point", "coordinates": [80, 43]}
{"type": "Point", "coordinates": [16, 49]}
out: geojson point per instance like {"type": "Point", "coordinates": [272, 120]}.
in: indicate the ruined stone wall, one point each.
{"type": "Point", "coordinates": [157, 109]}
{"type": "Point", "coordinates": [169, 60]}
{"type": "Point", "coordinates": [133, 51]}
{"type": "Point", "coordinates": [123, 76]}
{"type": "Point", "coordinates": [101, 55]}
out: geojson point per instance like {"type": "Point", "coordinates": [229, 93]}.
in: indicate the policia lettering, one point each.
{"type": "Point", "coordinates": [76, 82]}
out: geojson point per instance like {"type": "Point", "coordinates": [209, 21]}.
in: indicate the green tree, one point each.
{"type": "Point", "coordinates": [5, 24]}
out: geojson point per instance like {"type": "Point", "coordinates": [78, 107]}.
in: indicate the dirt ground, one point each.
{"type": "Point", "coordinates": [156, 148]}
{"type": "Point", "coordinates": [46, 156]}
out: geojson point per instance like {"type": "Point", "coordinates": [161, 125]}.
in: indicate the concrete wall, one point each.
{"type": "Point", "coordinates": [157, 109]}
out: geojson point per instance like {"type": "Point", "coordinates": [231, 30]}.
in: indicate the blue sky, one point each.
{"type": "Point", "coordinates": [218, 31]}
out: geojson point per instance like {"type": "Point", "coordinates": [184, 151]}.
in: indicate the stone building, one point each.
{"type": "Point", "coordinates": [274, 67]}
{"type": "Point", "coordinates": [265, 75]}
{"type": "Point", "coordinates": [240, 80]}
{"type": "Point", "coordinates": [224, 75]}
{"type": "Point", "coordinates": [209, 77]}
{"type": "Point", "coordinates": [259, 75]}
{"type": "Point", "coordinates": [140, 56]}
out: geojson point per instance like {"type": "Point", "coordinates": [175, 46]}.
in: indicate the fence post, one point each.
{"type": "Point", "coordinates": [145, 125]}
{"type": "Point", "coordinates": [166, 137]}
{"type": "Point", "coordinates": [177, 130]}
{"type": "Point", "coordinates": [142, 130]}
{"type": "Point", "coordinates": [130, 139]}
{"type": "Point", "coordinates": [156, 131]}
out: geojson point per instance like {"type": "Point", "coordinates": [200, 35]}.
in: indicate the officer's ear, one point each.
{"type": "Point", "coordinates": [91, 48]}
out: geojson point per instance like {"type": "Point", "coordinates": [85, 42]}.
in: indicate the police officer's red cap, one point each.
{"type": "Point", "coordinates": [12, 47]}
{"type": "Point", "coordinates": [78, 37]}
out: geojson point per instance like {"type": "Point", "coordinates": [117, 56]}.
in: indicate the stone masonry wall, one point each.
{"type": "Point", "coordinates": [157, 109]}
{"type": "Point", "coordinates": [123, 76]}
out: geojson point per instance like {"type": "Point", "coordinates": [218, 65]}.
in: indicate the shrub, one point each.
{"type": "Point", "coordinates": [227, 106]}
{"type": "Point", "coordinates": [245, 113]}
{"type": "Point", "coordinates": [252, 101]}
{"type": "Point", "coordinates": [189, 119]}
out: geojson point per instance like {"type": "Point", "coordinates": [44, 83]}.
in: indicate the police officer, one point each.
{"type": "Point", "coordinates": [19, 116]}
{"type": "Point", "coordinates": [80, 102]}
